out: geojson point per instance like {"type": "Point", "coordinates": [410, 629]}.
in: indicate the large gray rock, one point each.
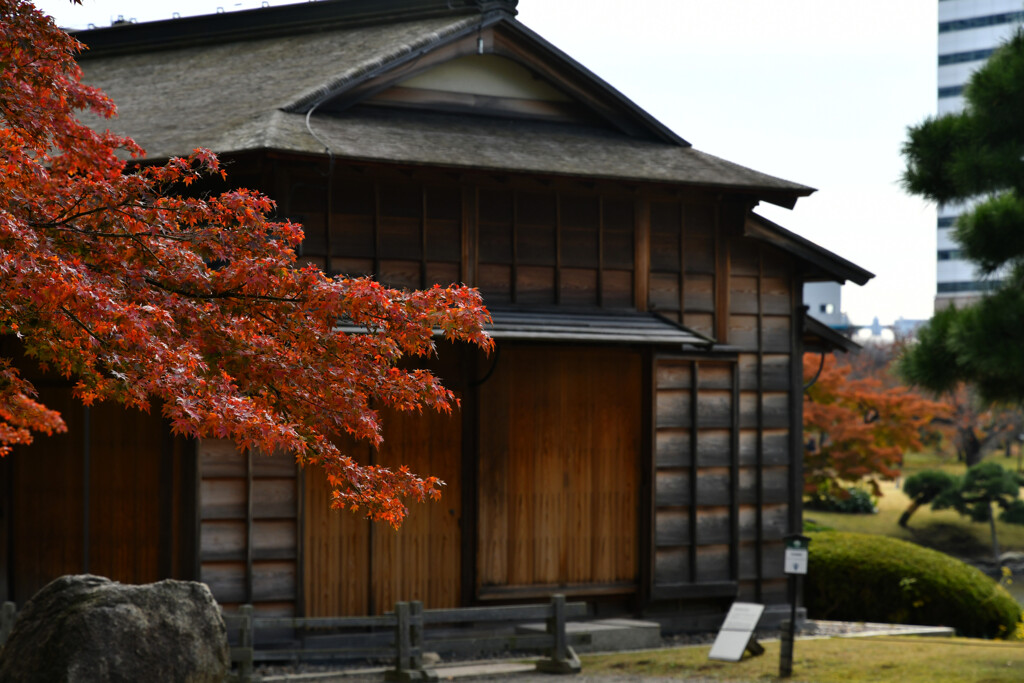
{"type": "Point", "coordinates": [87, 628]}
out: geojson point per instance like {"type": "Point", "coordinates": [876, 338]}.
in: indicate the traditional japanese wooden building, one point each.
{"type": "Point", "coordinates": [635, 439]}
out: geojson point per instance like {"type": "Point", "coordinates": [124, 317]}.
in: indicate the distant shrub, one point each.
{"type": "Point", "coordinates": [859, 577]}
{"type": "Point", "coordinates": [857, 501]}
{"type": "Point", "coordinates": [1013, 513]}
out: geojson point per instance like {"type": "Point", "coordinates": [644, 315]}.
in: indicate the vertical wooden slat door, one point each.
{"type": "Point", "coordinates": [559, 449]}
{"type": "Point", "coordinates": [354, 567]}
{"type": "Point", "coordinates": [50, 508]}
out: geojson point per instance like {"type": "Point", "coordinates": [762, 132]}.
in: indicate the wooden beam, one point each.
{"type": "Point", "coordinates": [734, 478]}
{"type": "Point", "coordinates": [600, 250]}
{"type": "Point", "coordinates": [641, 252]}
{"type": "Point", "coordinates": [721, 281]}
{"type": "Point", "coordinates": [169, 490]}
{"type": "Point", "coordinates": [469, 229]}
{"type": "Point", "coordinates": [692, 513]}
{"type": "Point", "coordinates": [646, 519]}
{"type": "Point", "coordinates": [6, 496]}
{"type": "Point", "coordinates": [86, 485]}
{"type": "Point", "coordinates": [796, 405]}
{"type": "Point", "coordinates": [682, 263]}
{"type": "Point", "coordinates": [513, 286]}
{"type": "Point", "coordinates": [470, 473]}
{"type": "Point", "coordinates": [300, 541]}
{"type": "Point", "coordinates": [759, 445]}
{"type": "Point", "coordinates": [248, 527]}
{"type": "Point", "coordinates": [558, 247]}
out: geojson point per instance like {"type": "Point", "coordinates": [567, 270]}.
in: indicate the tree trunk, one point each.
{"type": "Point", "coordinates": [905, 517]}
{"type": "Point", "coordinates": [995, 540]}
{"type": "Point", "coordinates": [972, 446]}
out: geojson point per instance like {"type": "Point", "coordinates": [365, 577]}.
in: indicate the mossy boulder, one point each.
{"type": "Point", "coordinates": [84, 628]}
{"type": "Point", "coordinates": [860, 577]}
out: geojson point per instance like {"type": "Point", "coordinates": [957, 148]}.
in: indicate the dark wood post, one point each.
{"type": "Point", "coordinates": [403, 641]}
{"type": "Point", "coordinates": [408, 644]}
{"type": "Point", "coordinates": [246, 641]}
{"type": "Point", "coordinates": [563, 659]}
{"type": "Point", "coordinates": [416, 634]}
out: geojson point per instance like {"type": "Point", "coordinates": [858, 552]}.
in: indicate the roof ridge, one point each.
{"type": "Point", "coordinates": [282, 20]}
{"type": "Point", "coordinates": [427, 40]}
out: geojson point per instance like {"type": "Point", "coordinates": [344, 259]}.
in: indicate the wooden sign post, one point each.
{"type": "Point", "coordinates": [737, 633]}
{"type": "Point", "coordinates": [795, 561]}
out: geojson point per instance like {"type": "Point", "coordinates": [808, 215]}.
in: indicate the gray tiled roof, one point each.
{"type": "Point", "coordinates": [236, 96]}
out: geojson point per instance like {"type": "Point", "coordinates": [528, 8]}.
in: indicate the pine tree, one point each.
{"type": "Point", "coordinates": [977, 156]}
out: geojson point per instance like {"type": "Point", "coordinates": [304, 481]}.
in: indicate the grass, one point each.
{"type": "Point", "coordinates": [908, 659]}
{"type": "Point", "coordinates": [946, 531]}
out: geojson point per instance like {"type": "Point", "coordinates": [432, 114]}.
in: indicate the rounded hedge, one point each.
{"type": "Point", "coordinates": [860, 577]}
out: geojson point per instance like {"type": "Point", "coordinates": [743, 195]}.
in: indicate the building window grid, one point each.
{"type": "Point", "coordinates": [969, 56]}
{"type": "Point", "coordinates": [968, 286]}
{"type": "Point", "coordinates": [980, 22]}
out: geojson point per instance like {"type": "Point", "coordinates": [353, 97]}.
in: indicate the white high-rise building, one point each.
{"type": "Point", "coordinates": [969, 31]}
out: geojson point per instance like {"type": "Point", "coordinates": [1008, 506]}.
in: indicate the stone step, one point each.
{"type": "Point", "coordinates": [609, 635]}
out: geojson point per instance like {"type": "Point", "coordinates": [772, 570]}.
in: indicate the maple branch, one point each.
{"type": "Point", "coordinates": [228, 294]}
{"type": "Point", "coordinates": [81, 324]}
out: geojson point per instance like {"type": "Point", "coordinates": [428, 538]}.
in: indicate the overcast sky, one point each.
{"type": "Point", "coordinates": [815, 91]}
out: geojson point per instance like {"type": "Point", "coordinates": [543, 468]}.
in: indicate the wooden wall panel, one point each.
{"type": "Point", "coordinates": [559, 449]}
{"type": "Point", "coordinates": [671, 487]}
{"type": "Point", "coordinates": [352, 567]}
{"type": "Point", "coordinates": [47, 500]}
{"type": "Point", "coordinates": [248, 525]}
{"type": "Point", "coordinates": [47, 528]}
{"type": "Point", "coordinates": [420, 560]}
{"type": "Point", "coordinates": [125, 494]}
{"type": "Point", "coordinates": [672, 528]}
{"type": "Point", "coordinates": [672, 447]}
{"type": "Point", "coordinates": [336, 566]}
{"type": "Point", "coordinates": [696, 499]}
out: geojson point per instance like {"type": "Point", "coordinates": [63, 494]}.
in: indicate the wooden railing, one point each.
{"type": "Point", "coordinates": [401, 636]}
{"type": "Point", "coordinates": [410, 631]}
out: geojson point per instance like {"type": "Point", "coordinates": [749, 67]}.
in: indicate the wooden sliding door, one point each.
{"type": "Point", "coordinates": [560, 440]}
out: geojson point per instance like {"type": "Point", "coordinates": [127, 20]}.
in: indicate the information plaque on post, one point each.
{"type": "Point", "coordinates": [737, 633]}
{"type": "Point", "coordinates": [796, 554]}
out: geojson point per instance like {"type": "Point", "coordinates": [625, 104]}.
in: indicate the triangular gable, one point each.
{"type": "Point", "coordinates": [497, 67]}
{"type": "Point", "coordinates": [485, 85]}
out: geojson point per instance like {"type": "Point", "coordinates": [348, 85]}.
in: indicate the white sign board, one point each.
{"type": "Point", "coordinates": [734, 637]}
{"type": "Point", "coordinates": [796, 560]}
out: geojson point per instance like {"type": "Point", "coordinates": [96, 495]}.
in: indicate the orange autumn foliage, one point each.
{"type": "Point", "coordinates": [856, 430]}
{"type": "Point", "coordinates": [112, 277]}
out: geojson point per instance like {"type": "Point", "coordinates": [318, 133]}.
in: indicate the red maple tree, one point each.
{"type": "Point", "coordinates": [856, 429]}
{"type": "Point", "coordinates": [111, 275]}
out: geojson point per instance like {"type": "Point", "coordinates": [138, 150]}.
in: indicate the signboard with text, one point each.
{"type": "Point", "coordinates": [736, 635]}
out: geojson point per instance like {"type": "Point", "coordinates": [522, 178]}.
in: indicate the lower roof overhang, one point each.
{"type": "Point", "coordinates": [820, 338]}
{"type": "Point", "coordinates": [559, 326]}
{"type": "Point", "coordinates": [591, 327]}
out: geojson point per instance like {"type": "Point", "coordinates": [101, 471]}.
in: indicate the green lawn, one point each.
{"type": "Point", "coordinates": [946, 531]}
{"type": "Point", "coordinates": [907, 659]}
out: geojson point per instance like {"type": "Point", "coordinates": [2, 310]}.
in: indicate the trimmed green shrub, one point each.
{"type": "Point", "coordinates": [860, 577]}
{"type": "Point", "coordinates": [858, 501]}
